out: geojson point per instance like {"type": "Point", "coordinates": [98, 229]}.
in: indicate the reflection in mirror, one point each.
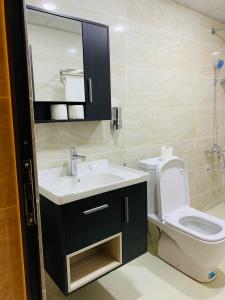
{"type": "Point", "coordinates": [57, 57]}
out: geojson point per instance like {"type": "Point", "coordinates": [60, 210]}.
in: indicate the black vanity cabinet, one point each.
{"type": "Point", "coordinates": [90, 220]}
{"type": "Point", "coordinates": [97, 71]}
{"type": "Point", "coordinates": [87, 238]}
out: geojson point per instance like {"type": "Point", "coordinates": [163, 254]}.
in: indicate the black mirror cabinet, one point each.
{"type": "Point", "coordinates": [77, 46]}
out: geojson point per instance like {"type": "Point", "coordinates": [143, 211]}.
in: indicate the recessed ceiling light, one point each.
{"type": "Point", "coordinates": [72, 50]}
{"type": "Point", "coordinates": [49, 6]}
{"type": "Point", "coordinates": [118, 28]}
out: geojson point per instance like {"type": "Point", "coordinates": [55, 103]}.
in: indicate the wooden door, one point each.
{"type": "Point", "coordinates": [19, 246]}
{"type": "Point", "coordinates": [12, 276]}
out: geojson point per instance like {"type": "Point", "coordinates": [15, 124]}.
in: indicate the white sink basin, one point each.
{"type": "Point", "coordinates": [95, 177]}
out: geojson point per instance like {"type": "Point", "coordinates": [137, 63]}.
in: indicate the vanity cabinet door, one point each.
{"type": "Point", "coordinates": [134, 228]}
{"type": "Point", "coordinates": [97, 71]}
{"type": "Point", "coordinates": [90, 220]}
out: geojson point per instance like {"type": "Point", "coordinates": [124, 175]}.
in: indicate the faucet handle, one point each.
{"type": "Point", "coordinates": [83, 157]}
{"type": "Point", "coordinates": [73, 150]}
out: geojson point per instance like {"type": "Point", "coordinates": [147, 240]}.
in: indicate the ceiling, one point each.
{"type": "Point", "coordinates": [212, 8]}
{"type": "Point", "coordinates": [51, 21]}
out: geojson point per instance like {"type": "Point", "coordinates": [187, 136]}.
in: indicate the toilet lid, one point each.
{"type": "Point", "coordinates": [172, 186]}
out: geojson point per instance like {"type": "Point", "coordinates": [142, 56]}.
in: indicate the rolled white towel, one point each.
{"type": "Point", "coordinates": [59, 112]}
{"type": "Point", "coordinates": [76, 111]}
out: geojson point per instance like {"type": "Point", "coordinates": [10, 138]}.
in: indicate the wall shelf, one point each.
{"type": "Point", "coordinates": [60, 121]}
{"type": "Point", "coordinates": [94, 261]}
{"type": "Point", "coordinates": [42, 113]}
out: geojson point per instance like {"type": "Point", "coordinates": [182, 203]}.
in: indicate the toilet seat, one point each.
{"type": "Point", "coordinates": [172, 186]}
{"type": "Point", "coordinates": [174, 203]}
{"type": "Point", "coordinates": [196, 223]}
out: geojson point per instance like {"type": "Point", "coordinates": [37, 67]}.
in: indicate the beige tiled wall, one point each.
{"type": "Point", "coordinates": [162, 76]}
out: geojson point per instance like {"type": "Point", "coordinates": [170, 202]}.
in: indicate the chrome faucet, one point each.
{"type": "Point", "coordinates": [74, 157]}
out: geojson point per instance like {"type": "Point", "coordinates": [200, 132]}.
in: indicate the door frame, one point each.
{"type": "Point", "coordinates": [24, 141]}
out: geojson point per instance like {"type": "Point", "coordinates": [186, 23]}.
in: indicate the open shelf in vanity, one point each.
{"type": "Point", "coordinates": [94, 261]}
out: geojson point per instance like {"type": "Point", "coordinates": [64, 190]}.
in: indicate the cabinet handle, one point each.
{"type": "Point", "coordinates": [127, 217]}
{"type": "Point", "coordinates": [90, 90]}
{"type": "Point", "coordinates": [93, 210]}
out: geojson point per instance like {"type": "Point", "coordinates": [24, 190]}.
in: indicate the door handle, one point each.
{"type": "Point", "coordinates": [31, 74]}
{"type": "Point", "coordinates": [28, 187]}
{"type": "Point", "coordinates": [127, 215]}
{"type": "Point", "coordinates": [90, 91]}
{"type": "Point", "coordinates": [93, 210]}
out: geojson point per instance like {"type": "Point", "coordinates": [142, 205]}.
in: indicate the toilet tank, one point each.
{"type": "Point", "coordinates": [150, 165]}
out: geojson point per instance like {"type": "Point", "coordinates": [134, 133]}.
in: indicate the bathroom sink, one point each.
{"type": "Point", "coordinates": [99, 179]}
{"type": "Point", "coordinates": [95, 177]}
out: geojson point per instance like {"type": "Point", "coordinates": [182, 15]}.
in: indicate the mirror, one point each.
{"type": "Point", "coordinates": [56, 55]}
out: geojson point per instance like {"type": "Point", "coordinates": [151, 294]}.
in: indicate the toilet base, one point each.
{"type": "Point", "coordinates": [170, 252]}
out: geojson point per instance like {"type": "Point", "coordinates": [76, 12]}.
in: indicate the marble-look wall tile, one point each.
{"type": "Point", "coordinates": [202, 156]}
{"type": "Point", "coordinates": [134, 154]}
{"type": "Point", "coordinates": [206, 25]}
{"type": "Point", "coordinates": [162, 77]}
{"type": "Point", "coordinates": [209, 199]}
{"type": "Point", "coordinates": [157, 126]}
{"type": "Point", "coordinates": [162, 50]}
{"type": "Point", "coordinates": [204, 122]}
{"type": "Point", "coordinates": [81, 8]}
{"type": "Point", "coordinates": [163, 14]}
{"type": "Point", "coordinates": [150, 87]}
{"type": "Point", "coordinates": [95, 138]}
{"type": "Point", "coordinates": [205, 92]}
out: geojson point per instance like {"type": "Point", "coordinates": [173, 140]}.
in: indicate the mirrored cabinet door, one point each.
{"type": "Point", "coordinates": [56, 51]}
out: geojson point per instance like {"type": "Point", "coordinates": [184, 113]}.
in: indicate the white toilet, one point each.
{"type": "Point", "coordinates": [191, 241]}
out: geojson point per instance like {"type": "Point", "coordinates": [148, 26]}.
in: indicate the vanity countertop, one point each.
{"type": "Point", "coordinates": [94, 178]}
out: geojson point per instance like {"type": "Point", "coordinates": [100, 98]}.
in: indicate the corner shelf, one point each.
{"type": "Point", "coordinates": [94, 261]}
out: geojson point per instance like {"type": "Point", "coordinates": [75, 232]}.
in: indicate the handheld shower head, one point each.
{"type": "Point", "coordinates": [219, 64]}
{"type": "Point", "coordinates": [217, 61]}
